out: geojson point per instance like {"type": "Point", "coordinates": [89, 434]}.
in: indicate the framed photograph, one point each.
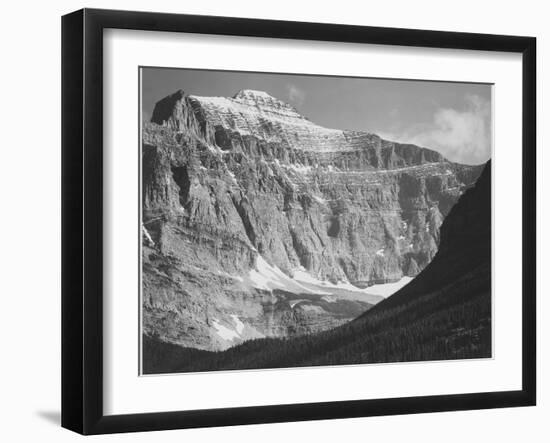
{"type": "Point", "coordinates": [270, 221]}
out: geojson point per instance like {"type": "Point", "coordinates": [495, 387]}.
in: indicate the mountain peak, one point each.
{"type": "Point", "coordinates": [262, 99]}
{"type": "Point", "coordinates": [253, 94]}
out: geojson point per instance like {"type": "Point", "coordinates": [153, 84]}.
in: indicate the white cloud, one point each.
{"type": "Point", "coordinates": [295, 95]}
{"type": "Point", "coordinates": [460, 135]}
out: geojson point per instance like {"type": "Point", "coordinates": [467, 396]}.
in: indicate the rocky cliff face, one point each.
{"type": "Point", "coordinates": [258, 222]}
{"type": "Point", "coordinates": [443, 314]}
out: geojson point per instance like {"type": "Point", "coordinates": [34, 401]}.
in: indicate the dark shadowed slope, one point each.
{"type": "Point", "coordinates": [445, 313]}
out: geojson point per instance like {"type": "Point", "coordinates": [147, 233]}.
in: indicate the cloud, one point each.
{"type": "Point", "coordinates": [295, 95]}
{"type": "Point", "coordinates": [460, 135]}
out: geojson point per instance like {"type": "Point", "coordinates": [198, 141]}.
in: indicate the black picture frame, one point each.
{"type": "Point", "coordinates": [82, 218]}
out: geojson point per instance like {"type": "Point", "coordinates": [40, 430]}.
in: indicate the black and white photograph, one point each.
{"type": "Point", "coordinates": [275, 222]}
{"type": "Point", "coordinates": [298, 220]}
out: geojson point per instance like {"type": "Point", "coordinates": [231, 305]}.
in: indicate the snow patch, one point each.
{"type": "Point", "coordinates": [223, 331]}
{"type": "Point", "coordinates": [383, 290]}
{"type": "Point", "coordinates": [302, 275]}
{"type": "Point", "coordinates": [293, 303]}
{"type": "Point", "coordinates": [387, 289]}
{"type": "Point", "coordinates": [329, 298]}
{"type": "Point", "coordinates": [238, 324]}
{"type": "Point", "coordinates": [270, 277]}
{"type": "Point", "coordinates": [380, 252]}
{"type": "Point", "coordinates": [147, 235]}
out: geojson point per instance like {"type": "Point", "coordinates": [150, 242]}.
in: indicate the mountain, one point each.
{"type": "Point", "coordinates": [444, 313]}
{"type": "Point", "coordinates": [259, 223]}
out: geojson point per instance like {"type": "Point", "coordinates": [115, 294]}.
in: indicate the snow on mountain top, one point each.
{"type": "Point", "coordinates": [271, 120]}
{"type": "Point", "coordinates": [253, 113]}
{"type": "Point", "coordinates": [263, 99]}
{"type": "Point", "coordinates": [251, 106]}
{"type": "Point", "coordinates": [258, 114]}
{"type": "Point", "coordinates": [253, 93]}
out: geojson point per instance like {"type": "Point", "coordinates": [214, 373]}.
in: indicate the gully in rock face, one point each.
{"type": "Point", "coordinates": [269, 240]}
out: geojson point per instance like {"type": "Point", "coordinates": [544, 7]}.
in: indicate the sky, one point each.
{"type": "Point", "coordinates": [451, 118]}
